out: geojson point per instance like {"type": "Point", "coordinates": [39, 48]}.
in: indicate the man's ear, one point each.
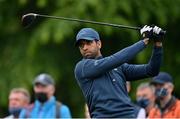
{"type": "Point", "coordinates": [171, 87]}
{"type": "Point", "coordinates": [51, 90]}
{"type": "Point", "coordinates": [99, 44]}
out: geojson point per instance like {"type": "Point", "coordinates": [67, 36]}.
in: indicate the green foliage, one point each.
{"type": "Point", "coordinates": [48, 45]}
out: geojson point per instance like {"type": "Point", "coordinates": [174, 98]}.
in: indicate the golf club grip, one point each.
{"type": "Point", "coordinates": [162, 32]}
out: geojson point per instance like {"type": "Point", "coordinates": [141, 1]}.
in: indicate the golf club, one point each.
{"type": "Point", "coordinates": [29, 18]}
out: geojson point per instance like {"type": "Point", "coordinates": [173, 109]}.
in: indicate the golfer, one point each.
{"type": "Point", "coordinates": [103, 79]}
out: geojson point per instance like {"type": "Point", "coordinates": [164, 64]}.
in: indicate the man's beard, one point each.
{"type": "Point", "coordinates": [89, 56]}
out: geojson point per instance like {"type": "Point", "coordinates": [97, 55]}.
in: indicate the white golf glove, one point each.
{"type": "Point", "coordinates": [152, 32]}
{"type": "Point", "coordinates": [156, 30]}
{"type": "Point", "coordinates": [145, 29]}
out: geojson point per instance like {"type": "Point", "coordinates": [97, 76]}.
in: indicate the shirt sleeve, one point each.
{"type": "Point", "coordinates": [135, 72]}
{"type": "Point", "coordinates": [90, 68]}
{"type": "Point", "coordinates": [65, 112]}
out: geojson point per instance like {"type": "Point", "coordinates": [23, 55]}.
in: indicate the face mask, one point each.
{"type": "Point", "coordinates": [15, 111]}
{"type": "Point", "coordinates": [41, 97]}
{"type": "Point", "coordinates": [142, 102]}
{"type": "Point", "coordinates": [161, 93]}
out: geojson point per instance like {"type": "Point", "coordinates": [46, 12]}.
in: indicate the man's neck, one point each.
{"type": "Point", "coordinates": [98, 55]}
{"type": "Point", "coordinates": [16, 116]}
{"type": "Point", "coordinates": [165, 101]}
{"type": "Point", "coordinates": [150, 106]}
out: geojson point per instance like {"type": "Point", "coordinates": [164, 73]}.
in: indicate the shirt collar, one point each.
{"type": "Point", "coordinates": [170, 103]}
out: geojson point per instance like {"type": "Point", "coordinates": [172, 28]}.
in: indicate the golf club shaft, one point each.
{"type": "Point", "coordinates": [91, 22]}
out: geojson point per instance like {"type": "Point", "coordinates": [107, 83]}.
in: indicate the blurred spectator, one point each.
{"type": "Point", "coordinates": [19, 98]}
{"type": "Point", "coordinates": [145, 96]}
{"type": "Point", "coordinates": [140, 112]}
{"type": "Point", "coordinates": [167, 105]}
{"type": "Point", "coordinates": [45, 105]}
{"type": "Point", "coordinates": [87, 115]}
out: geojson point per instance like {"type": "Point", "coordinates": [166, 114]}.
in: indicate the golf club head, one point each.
{"type": "Point", "coordinates": [28, 19]}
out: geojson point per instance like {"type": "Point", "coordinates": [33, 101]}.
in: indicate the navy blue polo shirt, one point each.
{"type": "Point", "coordinates": [103, 80]}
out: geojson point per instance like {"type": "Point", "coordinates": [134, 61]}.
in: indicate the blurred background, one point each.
{"type": "Point", "coordinates": [48, 44]}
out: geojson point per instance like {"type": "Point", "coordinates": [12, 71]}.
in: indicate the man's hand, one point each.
{"type": "Point", "coordinates": [154, 33]}
{"type": "Point", "coordinates": [146, 41]}
{"type": "Point", "coordinates": [157, 30]}
{"type": "Point", "coordinates": [147, 31]}
{"type": "Point", "coordinates": [157, 36]}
